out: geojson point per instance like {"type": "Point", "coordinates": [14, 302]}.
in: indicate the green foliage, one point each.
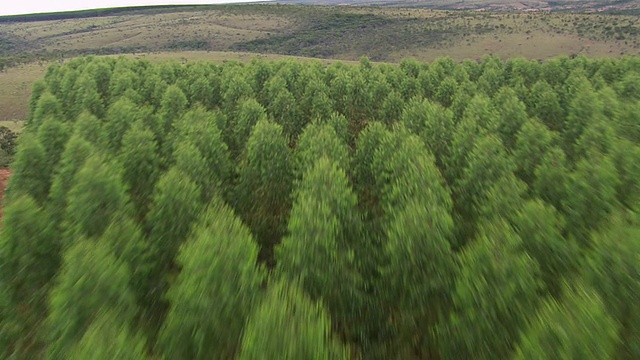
{"type": "Point", "coordinates": [30, 257]}
{"type": "Point", "coordinates": [27, 176]}
{"type": "Point", "coordinates": [540, 226]}
{"type": "Point", "coordinates": [95, 197]}
{"type": "Point", "coordinates": [493, 296]}
{"type": "Point", "coordinates": [140, 163]}
{"type": "Point", "coordinates": [612, 269]}
{"type": "Point", "coordinates": [265, 184]}
{"type": "Point", "coordinates": [487, 164]}
{"type": "Point", "coordinates": [411, 211]}
{"type": "Point", "coordinates": [249, 113]}
{"type": "Point", "coordinates": [106, 340]}
{"type": "Point", "coordinates": [120, 116]}
{"type": "Point", "coordinates": [175, 205]}
{"type": "Point", "coordinates": [532, 142]}
{"type": "Point", "coordinates": [592, 197]}
{"type": "Point", "coordinates": [92, 280]}
{"type": "Point", "coordinates": [53, 134]}
{"type": "Point", "coordinates": [316, 141]}
{"type": "Point", "coordinates": [288, 325]}
{"type": "Point", "coordinates": [75, 154]}
{"type": "Point", "coordinates": [204, 129]}
{"type": "Point", "coordinates": [420, 266]}
{"type": "Point", "coordinates": [219, 278]}
{"type": "Point", "coordinates": [578, 327]}
{"type": "Point", "coordinates": [323, 234]}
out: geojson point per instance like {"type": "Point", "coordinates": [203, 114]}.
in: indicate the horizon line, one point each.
{"type": "Point", "coordinates": [124, 7]}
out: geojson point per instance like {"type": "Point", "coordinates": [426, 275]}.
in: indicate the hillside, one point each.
{"type": "Point", "coordinates": [381, 33]}
{"type": "Point", "coordinates": [587, 6]}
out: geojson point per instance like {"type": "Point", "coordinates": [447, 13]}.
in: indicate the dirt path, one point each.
{"type": "Point", "coordinates": [4, 177]}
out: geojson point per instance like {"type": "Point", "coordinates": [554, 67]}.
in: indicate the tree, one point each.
{"type": "Point", "coordinates": [53, 134]}
{"type": "Point", "coordinates": [584, 109]}
{"type": "Point", "coordinates": [263, 193]}
{"type": "Point", "coordinates": [545, 105]}
{"type": "Point", "coordinates": [100, 72]}
{"type": "Point", "coordinates": [120, 116]}
{"type": "Point", "coordinates": [533, 141]}
{"type": "Point", "coordinates": [446, 91]}
{"type": "Point", "coordinates": [316, 103]}
{"type": "Point", "coordinates": [481, 111]}
{"type": "Point", "coordinates": [175, 204]}
{"type": "Point", "coordinates": [76, 152]}
{"type": "Point", "coordinates": [592, 198]}
{"type": "Point", "coordinates": [599, 135]}
{"type": "Point", "coordinates": [552, 178]}
{"type": "Point", "coordinates": [204, 130]}
{"type": "Point", "coordinates": [67, 94]}
{"type": "Point", "coordinates": [284, 110]}
{"type": "Point", "coordinates": [512, 115]}
{"type": "Point", "coordinates": [367, 144]}
{"type": "Point", "coordinates": [235, 90]}
{"type": "Point", "coordinates": [612, 269]}
{"type": "Point", "coordinates": [487, 164]}
{"type": "Point", "coordinates": [391, 110]}
{"type": "Point", "coordinates": [249, 113]}
{"type": "Point", "coordinates": [359, 98]}
{"type": "Point", "coordinates": [140, 165]}
{"type": "Point", "coordinates": [323, 233]}
{"type": "Point", "coordinates": [626, 157]}
{"type": "Point", "coordinates": [577, 327]}
{"type": "Point", "coordinates": [30, 258]}
{"type": "Point", "coordinates": [88, 96]}
{"type": "Point", "coordinates": [316, 141]}
{"type": "Point", "coordinates": [540, 227]}
{"type": "Point", "coordinates": [466, 133]}
{"type": "Point", "coordinates": [419, 267]}
{"type": "Point", "coordinates": [38, 88]}
{"type": "Point", "coordinates": [288, 325]}
{"type": "Point", "coordinates": [172, 106]}
{"type": "Point", "coordinates": [92, 281]}
{"type": "Point", "coordinates": [493, 296]}
{"type": "Point", "coordinates": [437, 132]}
{"type": "Point", "coordinates": [89, 128]}
{"type": "Point", "coordinates": [123, 83]}
{"type": "Point", "coordinates": [28, 177]}
{"type": "Point", "coordinates": [216, 290]}
{"type": "Point", "coordinates": [95, 197]}
{"type": "Point", "coordinates": [107, 338]}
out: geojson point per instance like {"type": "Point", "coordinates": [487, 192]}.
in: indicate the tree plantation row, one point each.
{"type": "Point", "coordinates": [292, 210]}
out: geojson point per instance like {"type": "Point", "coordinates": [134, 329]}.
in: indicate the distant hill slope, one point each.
{"type": "Point", "coordinates": [382, 33]}
{"type": "Point", "coordinates": [611, 6]}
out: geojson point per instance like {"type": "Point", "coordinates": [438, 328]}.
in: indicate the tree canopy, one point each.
{"type": "Point", "coordinates": [296, 210]}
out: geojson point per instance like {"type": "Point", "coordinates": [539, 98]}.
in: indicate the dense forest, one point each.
{"type": "Point", "coordinates": [295, 210]}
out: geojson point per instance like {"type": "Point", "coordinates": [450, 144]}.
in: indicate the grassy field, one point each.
{"type": "Point", "coordinates": [218, 33]}
{"type": "Point", "coordinates": [13, 125]}
{"type": "Point", "coordinates": [15, 90]}
{"type": "Point", "coordinates": [382, 33]}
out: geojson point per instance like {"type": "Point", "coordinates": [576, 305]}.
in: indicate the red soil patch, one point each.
{"type": "Point", "coordinates": [4, 177]}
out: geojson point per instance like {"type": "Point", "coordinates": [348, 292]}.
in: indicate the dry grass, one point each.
{"type": "Point", "coordinates": [465, 34]}
{"type": "Point", "coordinates": [15, 90]}
{"type": "Point", "coordinates": [219, 28]}
{"type": "Point", "coordinates": [220, 56]}
{"type": "Point", "coordinates": [13, 125]}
